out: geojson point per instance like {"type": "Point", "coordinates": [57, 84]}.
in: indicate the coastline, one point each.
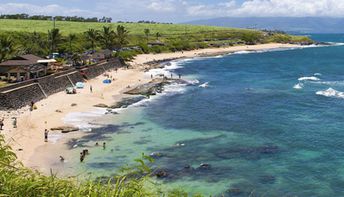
{"type": "Point", "coordinates": [29, 136]}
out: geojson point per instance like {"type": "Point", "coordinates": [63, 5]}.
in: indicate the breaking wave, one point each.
{"type": "Point", "coordinates": [313, 78]}
{"type": "Point", "coordinates": [331, 93]}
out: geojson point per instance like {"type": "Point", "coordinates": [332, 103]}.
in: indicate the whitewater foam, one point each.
{"type": "Point", "coordinates": [83, 120]}
{"type": "Point", "coordinates": [298, 86]}
{"type": "Point", "coordinates": [309, 79]}
{"type": "Point", "coordinates": [204, 85]}
{"type": "Point", "coordinates": [331, 93]}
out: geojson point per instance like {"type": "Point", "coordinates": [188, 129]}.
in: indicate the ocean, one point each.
{"type": "Point", "coordinates": [267, 123]}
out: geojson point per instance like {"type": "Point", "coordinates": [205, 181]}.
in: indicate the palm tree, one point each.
{"type": "Point", "coordinates": [158, 35]}
{"type": "Point", "coordinates": [107, 37]}
{"type": "Point", "coordinates": [92, 36]}
{"type": "Point", "coordinates": [35, 43]}
{"type": "Point", "coordinates": [121, 36]}
{"type": "Point", "coordinates": [55, 38]}
{"type": "Point", "coordinates": [147, 32]}
{"type": "Point", "coordinates": [7, 48]}
{"type": "Point", "coordinates": [71, 38]}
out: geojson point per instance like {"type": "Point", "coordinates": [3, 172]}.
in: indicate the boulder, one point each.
{"type": "Point", "coordinates": [101, 105]}
{"type": "Point", "coordinates": [160, 173]}
{"type": "Point", "coordinates": [65, 129]}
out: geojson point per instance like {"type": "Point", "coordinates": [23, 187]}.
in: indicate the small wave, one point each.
{"type": "Point", "coordinates": [309, 79]}
{"type": "Point", "coordinates": [331, 93]}
{"type": "Point", "coordinates": [244, 52]}
{"type": "Point", "coordinates": [204, 85]}
{"type": "Point", "coordinates": [175, 89]}
{"type": "Point", "coordinates": [82, 119]}
{"type": "Point", "coordinates": [192, 82]}
{"type": "Point", "coordinates": [317, 74]}
{"type": "Point", "coordinates": [298, 86]}
{"type": "Point", "coordinates": [330, 83]}
{"type": "Point", "coordinates": [336, 43]}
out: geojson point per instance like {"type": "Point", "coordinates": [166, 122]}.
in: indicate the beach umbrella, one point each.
{"type": "Point", "coordinates": [80, 85]}
{"type": "Point", "coordinates": [107, 81]}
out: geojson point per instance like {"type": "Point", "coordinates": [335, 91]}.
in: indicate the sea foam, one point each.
{"type": "Point", "coordinates": [313, 78]}
{"type": "Point", "coordinates": [331, 93]}
{"type": "Point", "coordinates": [298, 86]}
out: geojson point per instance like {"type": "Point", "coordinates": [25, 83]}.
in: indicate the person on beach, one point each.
{"type": "Point", "coordinates": [82, 157]}
{"type": "Point", "coordinates": [46, 132]}
{"type": "Point", "coordinates": [180, 76]}
{"type": "Point", "coordinates": [1, 123]}
{"type": "Point", "coordinates": [151, 76]}
{"type": "Point", "coordinates": [32, 106]}
{"type": "Point", "coordinates": [91, 89]}
{"type": "Point", "coordinates": [104, 145]}
{"type": "Point", "coordinates": [97, 144]}
{"type": "Point", "coordinates": [62, 159]}
{"type": "Point", "coordinates": [171, 76]}
{"type": "Point", "coordinates": [14, 122]}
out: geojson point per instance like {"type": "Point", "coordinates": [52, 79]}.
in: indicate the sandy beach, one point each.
{"type": "Point", "coordinates": [29, 135]}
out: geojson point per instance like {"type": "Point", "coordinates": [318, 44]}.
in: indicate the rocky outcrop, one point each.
{"type": "Point", "coordinates": [65, 129]}
{"type": "Point", "coordinates": [153, 87]}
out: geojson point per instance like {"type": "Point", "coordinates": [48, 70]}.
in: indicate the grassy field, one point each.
{"type": "Point", "coordinates": [80, 27]}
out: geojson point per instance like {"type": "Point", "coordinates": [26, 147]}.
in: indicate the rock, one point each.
{"type": "Point", "coordinates": [125, 102]}
{"type": "Point", "coordinates": [160, 173]}
{"type": "Point", "coordinates": [74, 105]}
{"type": "Point", "coordinates": [101, 105]}
{"type": "Point", "coordinates": [58, 111]}
{"type": "Point", "coordinates": [267, 179]}
{"type": "Point", "coordinates": [268, 149]}
{"type": "Point", "coordinates": [156, 155]}
{"type": "Point", "coordinates": [234, 191]}
{"type": "Point", "coordinates": [204, 166]}
{"type": "Point", "coordinates": [65, 129]}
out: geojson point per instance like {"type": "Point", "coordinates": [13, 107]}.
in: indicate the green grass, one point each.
{"type": "Point", "coordinates": [80, 27]}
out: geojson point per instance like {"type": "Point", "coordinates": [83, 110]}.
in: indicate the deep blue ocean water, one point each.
{"type": "Point", "coordinates": [268, 124]}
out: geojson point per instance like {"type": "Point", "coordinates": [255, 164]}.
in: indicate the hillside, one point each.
{"type": "Point", "coordinates": [289, 24]}
{"type": "Point", "coordinates": [80, 27]}
{"type": "Point", "coordinates": [31, 36]}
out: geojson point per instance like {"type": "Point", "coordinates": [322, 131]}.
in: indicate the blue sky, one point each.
{"type": "Point", "coordinates": [175, 10]}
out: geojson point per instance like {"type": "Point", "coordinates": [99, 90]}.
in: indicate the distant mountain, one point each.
{"type": "Point", "coordinates": [288, 24]}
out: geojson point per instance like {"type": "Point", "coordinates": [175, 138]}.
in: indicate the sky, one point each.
{"type": "Point", "coordinates": [175, 10]}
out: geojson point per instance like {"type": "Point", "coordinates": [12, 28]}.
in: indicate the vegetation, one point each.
{"type": "Point", "coordinates": [56, 18]}
{"type": "Point", "coordinates": [16, 180]}
{"type": "Point", "coordinates": [128, 39]}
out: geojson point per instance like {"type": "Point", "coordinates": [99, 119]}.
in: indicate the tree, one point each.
{"type": "Point", "coordinates": [107, 37]}
{"type": "Point", "coordinates": [71, 38]}
{"type": "Point", "coordinates": [35, 43]}
{"type": "Point", "coordinates": [7, 48]}
{"type": "Point", "coordinates": [158, 35]}
{"type": "Point", "coordinates": [147, 32]}
{"type": "Point", "coordinates": [55, 38]}
{"type": "Point", "coordinates": [92, 36]}
{"type": "Point", "coordinates": [121, 36]}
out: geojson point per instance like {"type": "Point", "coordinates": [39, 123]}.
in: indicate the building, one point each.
{"type": "Point", "coordinates": [25, 67]}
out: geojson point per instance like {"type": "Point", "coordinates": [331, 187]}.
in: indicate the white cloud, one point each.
{"type": "Point", "coordinates": [52, 9]}
{"type": "Point", "coordinates": [161, 6]}
{"type": "Point", "coordinates": [178, 10]}
{"type": "Point", "coordinates": [261, 8]}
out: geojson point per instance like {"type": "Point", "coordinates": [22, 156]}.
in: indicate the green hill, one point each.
{"type": "Point", "coordinates": [80, 27]}
{"type": "Point", "coordinates": [31, 36]}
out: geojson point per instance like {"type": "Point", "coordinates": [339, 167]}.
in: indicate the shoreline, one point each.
{"type": "Point", "coordinates": [27, 140]}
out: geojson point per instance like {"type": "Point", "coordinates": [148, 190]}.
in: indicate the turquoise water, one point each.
{"type": "Point", "coordinates": [268, 123]}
